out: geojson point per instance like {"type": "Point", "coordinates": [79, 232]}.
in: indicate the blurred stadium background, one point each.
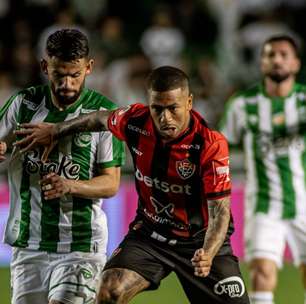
{"type": "Point", "coordinates": [216, 42]}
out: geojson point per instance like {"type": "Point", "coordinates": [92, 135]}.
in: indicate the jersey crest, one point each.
{"type": "Point", "coordinates": [82, 139]}
{"type": "Point", "coordinates": [185, 169]}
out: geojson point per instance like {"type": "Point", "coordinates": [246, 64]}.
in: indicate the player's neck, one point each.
{"type": "Point", "coordinates": [279, 89]}
{"type": "Point", "coordinates": [60, 106]}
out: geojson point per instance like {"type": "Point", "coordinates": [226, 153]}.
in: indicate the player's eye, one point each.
{"type": "Point", "coordinates": [157, 109]}
{"type": "Point", "coordinates": [76, 75]}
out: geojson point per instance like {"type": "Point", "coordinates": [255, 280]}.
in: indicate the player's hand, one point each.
{"type": "Point", "coordinates": [201, 262]}
{"type": "Point", "coordinates": [3, 149]}
{"type": "Point", "coordinates": [54, 186]}
{"type": "Point", "coordinates": [41, 134]}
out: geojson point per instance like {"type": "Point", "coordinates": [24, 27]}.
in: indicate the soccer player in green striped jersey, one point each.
{"type": "Point", "coordinates": [269, 121]}
{"type": "Point", "coordinates": [56, 226]}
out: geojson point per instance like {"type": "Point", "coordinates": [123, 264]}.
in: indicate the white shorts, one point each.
{"type": "Point", "coordinates": [38, 276]}
{"type": "Point", "coordinates": [266, 238]}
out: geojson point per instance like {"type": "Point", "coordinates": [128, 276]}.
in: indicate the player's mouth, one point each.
{"type": "Point", "coordinates": [66, 92]}
{"type": "Point", "coordinates": [168, 130]}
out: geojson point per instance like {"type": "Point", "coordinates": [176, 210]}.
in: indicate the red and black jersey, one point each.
{"type": "Point", "coordinates": [174, 180]}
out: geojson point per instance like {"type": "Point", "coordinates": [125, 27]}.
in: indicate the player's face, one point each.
{"type": "Point", "coordinates": [170, 111]}
{"type": "Point", "coordinates": [66, 78]}
{"type": "Point", "coordinates": [279, 61]}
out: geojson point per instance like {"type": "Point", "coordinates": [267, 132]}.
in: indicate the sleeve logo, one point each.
{"type": "Point", "coordinates": [184, 168]}
{"type": "Point", "coordinates": [221, 171]}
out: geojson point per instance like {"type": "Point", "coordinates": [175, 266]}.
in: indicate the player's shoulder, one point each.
{"type": "Point", "coordinates": [208, 134]}
{"type": "Point", "coordinates": [213, 136]}
{"type": "Point", "coordinates": [249, 92]}
{"type": "Point", "coordinates": [139, 109]}
{"type": "Point", "coordinates": [32, 96]}
{"type": "Point", "coordinates": [94, 100]}
{"type": "Point", "coordinates": [300, 88]}
{"type": "Point", "coordinates": [135, 110]}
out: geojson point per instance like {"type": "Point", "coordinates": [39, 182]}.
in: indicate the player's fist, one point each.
{"type": "Point", "coordinates": [54, 186]}
{"type": "Point", "coordinates": [3, 149]}
{"type": "Point", "coordinates": [201, 262]}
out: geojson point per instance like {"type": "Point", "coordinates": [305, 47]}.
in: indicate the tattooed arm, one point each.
{"type": "Point", "coordinates": [46, 134]}
{"type": "Point", "coordinates": [92, 122]}
{"type": "Point", "coordinates": [219, 217]}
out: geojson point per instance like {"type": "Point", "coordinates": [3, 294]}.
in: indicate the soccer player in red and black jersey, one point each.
{"type": "Point", "coordinates": [183, 221]}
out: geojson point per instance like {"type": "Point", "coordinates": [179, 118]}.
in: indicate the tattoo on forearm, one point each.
{"type": "Point", "coordinates": [94, 122]}
{"type": "Point", "coordinates": [219, 217]}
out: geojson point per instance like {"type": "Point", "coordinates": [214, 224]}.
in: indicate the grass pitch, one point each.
{"type": "Point", "coordinates": [289, 289]}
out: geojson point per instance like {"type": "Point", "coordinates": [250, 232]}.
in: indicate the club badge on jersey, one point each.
{"type": "Point", "coordinates": [185, 168]}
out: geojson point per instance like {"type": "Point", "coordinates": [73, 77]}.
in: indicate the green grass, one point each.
{"type": "Point", "coordinates": [289, 289]}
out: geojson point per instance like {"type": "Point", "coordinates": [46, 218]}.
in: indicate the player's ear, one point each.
{"type": "Point", "coordinates": [44, 66]}
{"type": "Point", "coordinates": [297, 66]}
{"type": "Point", "coordinates": [190, 99]}
{"type": "Point", "coordinates": [89, 66]}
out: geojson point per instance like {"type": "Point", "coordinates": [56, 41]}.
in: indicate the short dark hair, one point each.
{"type": "Point", "coordinates": [67, 45]}
{"type": "Point", "coordinates": [167, 78]}
{"type": "Point", "coordinates": [278, 38]}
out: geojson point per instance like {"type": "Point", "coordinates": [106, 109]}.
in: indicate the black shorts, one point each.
{"type": "Point", "coordinates": [154, 260]}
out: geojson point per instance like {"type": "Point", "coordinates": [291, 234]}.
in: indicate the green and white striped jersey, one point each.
{"type": "Point", "coordinates": [69, 223]}
{"type": "Point", "coordinates": [273, 134]}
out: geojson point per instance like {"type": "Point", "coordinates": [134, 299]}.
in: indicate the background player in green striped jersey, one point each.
{"type": "Point", "coordinates": [58, 229]}
{"type": "Point", "coordinates": [269, 120]}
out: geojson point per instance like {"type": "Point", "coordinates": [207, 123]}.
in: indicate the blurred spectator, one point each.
{"type": "Point", "coordinates": [25, 67]}
{"type": "Point", "coordinates": [40, 13]}
{"type": "Point", "coordinates": [126, 79]}
{"type": "Point", "coordinates": [21, 32]}
{"type": "Point", "coordinates": [7, 87]}
{"type": "Point", "coordinates": [198, 25]}
{"type": "Point", "coordinates": [251, 36]}
{"type": "Point", "coordinates": [97, 79]}
{"type": "Point", "coordinates": [65, 18]}
{"type": "Point", "coordinates": [227, 15]}
{"type": "Point", "coordinates": [4, 8]}
{"type": "Point", "coordinates": [109, 38]}
{"type": "Point", "coordinates": [162, 42]}
{"type": "Point", "coordinates": [209, 90]}
{"type": "Point", "coordinates": [89, 11]}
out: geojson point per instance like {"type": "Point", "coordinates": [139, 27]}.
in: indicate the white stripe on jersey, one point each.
{"type": "Point", "coordinates": [66, 204]}
{"type": "Point", "coordinates": [99, 240]}
{"type": "Point", "coordinates": [13, 222]}
{"type": "Point", "coordinates": [251, 181]}
{"type": "Point", "coordinates": [35, 215]}
{"type": "Point", "coordinates": [295, 156]}
{"type": "Point", "coordinates": [275, 189]}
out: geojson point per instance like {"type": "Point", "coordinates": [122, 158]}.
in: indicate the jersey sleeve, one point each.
{"type": "Point", "coordinates": [233, 120]}
{"type": "Point", "coordinates": [118, 120]}
{"type": "Point", "coordinates": [215, 174]}
{"type": "Point", "coordinates": [110, 151]}
{"type": "Point", "coordinates": [9, 118]}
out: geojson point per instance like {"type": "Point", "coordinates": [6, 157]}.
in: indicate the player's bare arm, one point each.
{"type": "Point", "coordinates": [120, 285]}
{"type": "Point", "coordinates": [46, 134]}
{"type": "Point", "coordinates": [103, 186]}
{"type": "Point", "coordinates": [3, 149]}
{"type": "Point", "coordinates": [219, 217]}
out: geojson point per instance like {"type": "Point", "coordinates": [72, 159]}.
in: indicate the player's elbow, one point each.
{"type": "Point", "coordinates": [111, 191]}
